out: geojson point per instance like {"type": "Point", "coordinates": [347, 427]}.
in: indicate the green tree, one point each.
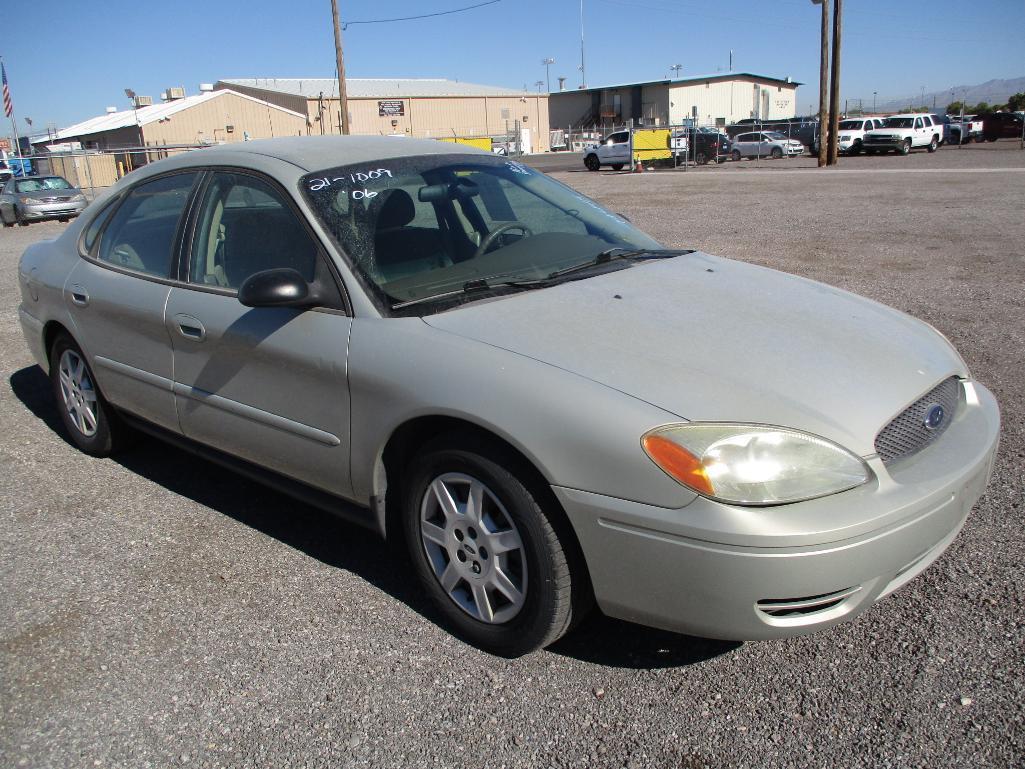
{"type": "Point", "coordinates": [954, 108]}
{"type": "Point", "coordinates": [981, 107]}
{"type": "Point", "coordinates": [1016, 103]}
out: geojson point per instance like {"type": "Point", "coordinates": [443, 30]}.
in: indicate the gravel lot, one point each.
{"type": "Point", "coordinates": [159, 612]}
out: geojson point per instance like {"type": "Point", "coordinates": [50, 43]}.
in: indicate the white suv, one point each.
{"type": "Point", "coordinates": [614, 151]}
{"type": "Point", "coordinates": [902, 132]}
{"type": "Point", "coordinates": [852, 132]}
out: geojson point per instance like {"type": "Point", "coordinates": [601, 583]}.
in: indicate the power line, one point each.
{"type": "Point", "coordinates": [345, 24]}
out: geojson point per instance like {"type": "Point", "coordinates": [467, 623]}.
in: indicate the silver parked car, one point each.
{"type": "Point", "coordinates": [36, 198]}
{"type": "Point", "coordinates": [765, 144]}
{"type": "Point", "coordinates": [542, 402]}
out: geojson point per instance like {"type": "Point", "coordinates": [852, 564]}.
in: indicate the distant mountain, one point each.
{"type": "Point", "coordinates": [992, 91]}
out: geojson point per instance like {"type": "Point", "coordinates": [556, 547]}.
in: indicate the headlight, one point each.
{"type": "Point", "coordinates": [28, 201]}
{"type": "Point", "coordinates": [753, 464]}
{"type": "Point", "coordinates": [79, 198]}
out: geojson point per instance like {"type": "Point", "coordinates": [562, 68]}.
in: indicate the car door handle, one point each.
{"type": "Point", "coordinates": [190, 327]}
{"type": "Point", "coordinates": [79, 296]}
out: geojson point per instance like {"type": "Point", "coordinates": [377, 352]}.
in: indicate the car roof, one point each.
{"type": "Point", "coordinates": [312, 153]}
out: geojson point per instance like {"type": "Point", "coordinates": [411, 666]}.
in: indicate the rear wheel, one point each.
{"type": "Point", "coordinates": [701, 159]}
{"type": "Point", "coordinates": [3, 218]}
{"type": "Point", "coordinates": [88, 418]}
{"type": "Point", "coordinates": [592, 163]}
{"type": "Point", "coordinates": [934, 144]}
{"type": "Point", "coordinates": [736, 155]}
{"type": "Point", "coordinates": [617, 166]}
{"type": "Point", "coordinates": [486, 550]}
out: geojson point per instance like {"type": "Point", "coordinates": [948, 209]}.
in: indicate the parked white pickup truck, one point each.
{"type": "Point", "coordinates": [852, 132]}
{"type": "Point", "coordinates": [901, 133]}
{"type": "Point", "coordinates": [968, 131]}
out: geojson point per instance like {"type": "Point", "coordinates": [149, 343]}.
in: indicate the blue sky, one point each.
{"type": "Point", "coordinates": [80, 59]}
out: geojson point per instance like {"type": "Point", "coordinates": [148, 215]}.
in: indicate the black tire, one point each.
{"type": "Point", "coordinates": [933, 145]}
{"type": "Point", "coordinates": [736, 155]}
{"type": "Point", "coordinates": [905, 148]}
{"type": "Point", "coordinates": [870, 152]}
{"type": "Point", "coordinates": [618, 166]}
{"type": "Point", "coordinates": [555, 586]}
{"type": "Point", "coordinates": [62, 219]}
{"type": "Point", "coordinates": [701, 159]}
{"type": "Point", "coordinates": [17, 217]}
{"type": "Point", "coordinates": [109, 432]}
{"type": "Point", "coordinates": [4, 220]}
{"type": "Point", "coordinates": [592, 163]}
{"type": "Point", "coordinates": [856, 147]}
{"type": "Point", "coordinates": [992, 138]}
{"type": "Point", "coordinates": [777, 153]}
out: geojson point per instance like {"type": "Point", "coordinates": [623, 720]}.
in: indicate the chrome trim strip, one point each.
{"type": "Point", "coordinates": [148, 377]}
{"type": "Point", "coordinates": [256, 415]}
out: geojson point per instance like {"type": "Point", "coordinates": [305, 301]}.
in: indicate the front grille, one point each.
{"type": "Point", "coordinates": [909, 432]}
{"type": "Point", "coordinates": [56, 200]}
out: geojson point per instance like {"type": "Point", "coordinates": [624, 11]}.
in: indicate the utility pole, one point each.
{"type": "Point", "coordinates": [823, 83]}
{"type": "Point", "coordinates": [583, 71]}
{"type": "Point", "coordinates": [834, 98]}
{"type": "Point", "coordinates": [342, 101]}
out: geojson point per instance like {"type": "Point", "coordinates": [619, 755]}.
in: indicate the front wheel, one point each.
{"type": "Point", "coordinates": [592, 163]}
{"type": "Point", "coordinates": [934, 145]}
{"type": "Point", "coordinates": [486, 550]}
{"type": "Point", "coordinates": [777, 153]}
{"type": "Point", "coordinates": [905, 148]}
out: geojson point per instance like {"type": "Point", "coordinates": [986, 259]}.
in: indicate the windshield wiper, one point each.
{"type": "Point", "coordinates": [621, 253]}
{"type": "Point", "coordinates": [470, 287]}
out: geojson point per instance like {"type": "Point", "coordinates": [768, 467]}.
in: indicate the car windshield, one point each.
{"type": "Point", "coordinates": [423, 226]}
{"type": "Point", "coordinates": [850, 125]}
{"type": "Point", "coordinates": [45, 183]}
{"type": "Point", "coordinates": [900, 122]}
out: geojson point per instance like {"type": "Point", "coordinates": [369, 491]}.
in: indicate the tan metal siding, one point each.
{"type": "Point", "coordinates": [210, 121]}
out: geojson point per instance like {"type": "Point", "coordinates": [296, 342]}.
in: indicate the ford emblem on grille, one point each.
{"type": "Point", "coordinates": [934, 416]}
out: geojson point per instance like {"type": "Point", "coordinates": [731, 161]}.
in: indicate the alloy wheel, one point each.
{"type": "Point", "coordinates": [473, 548]}
{"type": "Point", "coordinates": [78, 393]}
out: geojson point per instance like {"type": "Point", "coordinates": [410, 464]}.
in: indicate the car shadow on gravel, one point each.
{"type": "Point", "coordinates": [318, 534]}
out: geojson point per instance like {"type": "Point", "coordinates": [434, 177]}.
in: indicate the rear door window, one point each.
{"type": "Point", "coordinates": [141, 233]}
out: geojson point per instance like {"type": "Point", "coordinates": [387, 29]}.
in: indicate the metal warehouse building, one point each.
{"type": "Point", "coordinates": [425, 108]}
{"type": "Point", "coordinates": [720, 99]}
{"type": "Point", "coordinates": [207, 118]}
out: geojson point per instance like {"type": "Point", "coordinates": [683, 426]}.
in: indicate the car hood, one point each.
{"type": "Point", "coordinates": [708, 339]}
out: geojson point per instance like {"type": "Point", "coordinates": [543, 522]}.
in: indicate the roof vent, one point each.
{"type": "Point", "coordinates": [206, 87]}
{"type": "Point", "coordinates": [143, 101]}
{"type": "Point", "coordinates": [175, 93]}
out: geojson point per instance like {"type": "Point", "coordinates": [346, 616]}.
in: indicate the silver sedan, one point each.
{"type": "Point", "coordinates": [544, 405]}
{"type": "Point", "coordinates": [37, 198]}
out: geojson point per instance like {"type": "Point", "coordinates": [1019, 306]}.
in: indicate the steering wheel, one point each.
{"type": "Point", "coordinates": [489, 241]}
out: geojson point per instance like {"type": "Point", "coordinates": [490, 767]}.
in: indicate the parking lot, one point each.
{"type": "Point", "coordinates": [156, 611]}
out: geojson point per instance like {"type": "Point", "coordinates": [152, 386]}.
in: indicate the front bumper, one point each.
{"type": "Point", "coordinates": [753, 573]}
{"type": "Point", "coordinates": [50, 210]}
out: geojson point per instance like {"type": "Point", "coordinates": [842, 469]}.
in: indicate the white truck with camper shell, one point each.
{"type": "Point", "coordinates": [965, 128]}
{"type": "Point", "coordinates": [902, 133]}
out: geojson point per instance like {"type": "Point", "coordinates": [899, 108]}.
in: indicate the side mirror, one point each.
{"type": "Point", "coordinates": [282, 287]}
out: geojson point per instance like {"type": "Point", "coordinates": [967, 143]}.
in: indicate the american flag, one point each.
{"type": "Point", "coordinates": [8, 104]}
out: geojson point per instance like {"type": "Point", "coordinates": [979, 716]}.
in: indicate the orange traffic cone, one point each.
{"type": "Point", "coordinates": [639, 166]}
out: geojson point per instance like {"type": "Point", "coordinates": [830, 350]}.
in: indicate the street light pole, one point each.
{"type": "Point", "coordinates": [676, 69]}
{"type": "Point", "coordinates": [873, 102]}
{"type": "Point", "coordinates": [583, 71]}
{"type": "Point", "coordinates": [548, 79]}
